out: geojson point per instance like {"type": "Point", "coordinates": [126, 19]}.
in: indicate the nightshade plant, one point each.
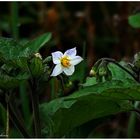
{"type": "Point", "coordinates": [111, 88]}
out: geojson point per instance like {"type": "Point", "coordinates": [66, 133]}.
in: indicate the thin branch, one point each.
{"type": "Point", "coordinates": [7, 121]}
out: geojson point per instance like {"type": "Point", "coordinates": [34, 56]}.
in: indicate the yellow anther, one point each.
{"type": "Point", "coordinates": [65, 61]}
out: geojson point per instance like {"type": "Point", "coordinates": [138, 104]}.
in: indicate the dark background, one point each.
{"type": "Point", "coordinates": [102, 26]}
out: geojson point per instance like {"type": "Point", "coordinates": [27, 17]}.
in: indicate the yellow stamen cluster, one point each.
{"type": "Point", "coordinates": [65, 61]}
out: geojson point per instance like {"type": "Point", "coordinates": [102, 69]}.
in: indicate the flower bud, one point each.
{"type": "Point", "coordinates": [94, 69]}
{"type": "Point", "coordinates": [69, 84]}
{"type": "Point", "coordinates": [137, 60]}
{"type": "Point", "coordinates": [102, 71]}
{"type": "Point", "coordinates": [92, 73]}
{"type": "Point", "coordinates": [38, 55]}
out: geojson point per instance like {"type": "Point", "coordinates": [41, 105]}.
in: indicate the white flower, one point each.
{"type": "Point", "coordinates": [65, 62]}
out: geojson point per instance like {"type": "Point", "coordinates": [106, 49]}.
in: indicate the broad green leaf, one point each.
{"type": "Point", "coordinates": [14, 53]}
{"type": "Point", "coordinates": [134, 20]}
{"type": "Point", "coordinates": [118, 73]}
{"type": "Point", "coordinates": [124, 90]}
{"type": "Point", "coordinates": [85, 130]}
{"type": "Point", "coordinates": [90, 81]}
{"type": "Point", "coordinates": [18, 63]}
{"type": "Point", "coordinates": [30, 47]}
{"type": "Point", "coordinates": [62, 115]}
{"type": "Point", "coordinates": [10, 51]}
{"type": "Point", "coordinates": [92, 102]}
{"type": "Point", "coordinates": [79, 72]}
{"type": "Point", "coordinates": [34, 45]}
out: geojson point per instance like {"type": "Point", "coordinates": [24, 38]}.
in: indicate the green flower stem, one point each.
{"type": "Point", "coordinates": [62, 83]}
{"type": "Point", "coordinates": [116, 63]}
{"type": "Point", "coordinates": [52, 83]}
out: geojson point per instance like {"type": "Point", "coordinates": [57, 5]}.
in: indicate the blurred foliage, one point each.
{"type": "Point", "coordinates": [103, 26]}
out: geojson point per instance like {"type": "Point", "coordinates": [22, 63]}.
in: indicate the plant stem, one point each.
{"type": "Point", "coordinates": [132, 122]}
{"type": "Point", "coordinates": [16, 120]}
{"type": "Point", "coordinates": [35, 106]}
{"type": "Point", "coordinates": [25, 102]}
{"type": "Point", "coordinates": [62, 84]}
{"type": "Point", "coordinates": [7, 121]}
{"type": "Point", "coordinates": [14, 20]}
{"type": "Point", "coordinates": [52, 83]}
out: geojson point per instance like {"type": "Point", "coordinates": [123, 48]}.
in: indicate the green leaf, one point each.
{"type": "Point", "coordinates": [85, 130]}
{"type": "Point", "coordinates": [90, 81]}
{"type": "Point", "coordinates": [77, 111]}
{"type": "Point", "coordinates": [34, 45]}
{"type": "Point", "coordinates": [10, 53]}
{"type": "Point", "coordinates": [134, 20]}
{"type": "Point", "coordinates": [116, 89]}
{"type": "Point", "coordinates": [8, 47]}
{"type": "Point", "coordinates": [118, 73]}
{"type": "Point", "coordinates": [91, 102]}
{"type": "Point", "coordinates": [19, 63]}
{"type": "Point", "coordinates": [79, 72]}
{"type": "Point", "coordinates": [16, 54]}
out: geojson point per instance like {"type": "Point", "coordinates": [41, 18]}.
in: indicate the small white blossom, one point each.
{"type": "Point", "coordinates": [65, 62]}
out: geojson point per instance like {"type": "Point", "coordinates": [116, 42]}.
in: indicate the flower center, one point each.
{"type": "Point", "coordinates": [65, 61]}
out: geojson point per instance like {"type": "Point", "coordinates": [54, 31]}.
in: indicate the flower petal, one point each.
{"type": "Point", "coordinates": [76, 60]}
{"type": "Point", "coordinates": [69, 70]}
{"type": "Point", "coordinates": [71, 52]}
{"type": "Point", "coordinates": [56, 56]}
{"type": "Point", "coordinates": [57, 70]}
